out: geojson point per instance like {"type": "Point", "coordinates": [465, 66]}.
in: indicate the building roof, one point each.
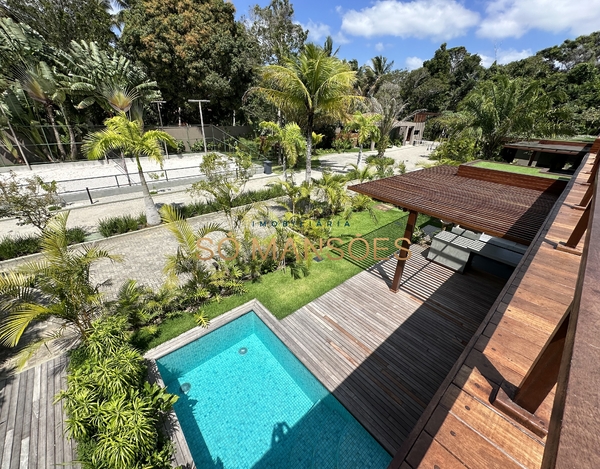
{"type": "Point", "coordinates": [502, 204]}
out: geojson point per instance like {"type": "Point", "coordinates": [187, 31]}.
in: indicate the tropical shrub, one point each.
{"type": "Point", "coordinates": [121, 224]}
{"type": "Point", "coordinates": [58, 286]}
{"type": "Point", "coordinates": [361, 202]}
{"type": "Point", "coordinates": [114, 414]}
{"type": "Point", "coordinates": [28, 200]}
{"type": "Point", "coordinates": [459, 148]}
{"type": "Point", "coordinates": [343, 142]}
{"type": "Point", "coordinates": [179, 147]}
{"type": "Point", "coordinates": [20, 245]}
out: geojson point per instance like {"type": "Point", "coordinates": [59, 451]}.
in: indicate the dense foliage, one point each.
{"type": "Point", "coordinates": [114, 414]}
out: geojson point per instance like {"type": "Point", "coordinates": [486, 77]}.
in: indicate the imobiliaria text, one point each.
{"type": "Point", "coordinates": [333, 252]}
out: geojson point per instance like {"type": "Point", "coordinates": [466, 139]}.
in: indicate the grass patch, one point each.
{"type": "Point", "coordinates": [511, 168]}
{"type": "Point", "coordinates": [283, 295]}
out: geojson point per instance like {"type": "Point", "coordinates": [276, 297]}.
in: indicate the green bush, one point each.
{"type": "Point", "coordinates": [198, 145]}
{"type": "Point", "coordinates": [114, 414]}
{"type": "Point", "coordinates": [23, 245]}
{"type": "Point", "coordinates": [178, 148]}
{"type": "Point", "coordinates": [343, 142]}
{"type": "Point", "coordinates": [76, 235]}
{"type": "Point", "coordinates": [11, 247]}
{"type": "Point", "coordinates": [122, 224]}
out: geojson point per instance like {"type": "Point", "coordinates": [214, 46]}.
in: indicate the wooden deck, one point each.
{"type": "Point", "coordinates": [461, 428]}
{"type": "Point", "coordinates": [31, 425]}
{"type": "Point", "coordinates": [384, 355]}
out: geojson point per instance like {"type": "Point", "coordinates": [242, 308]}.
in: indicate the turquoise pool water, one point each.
{"type": "Point", "coordinates": [252, 404]}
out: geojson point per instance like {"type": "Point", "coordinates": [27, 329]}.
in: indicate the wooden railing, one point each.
{"type": "Point", "coordinates": [574, 432]}
{"type": "Point", "coordinates": [570, 359]}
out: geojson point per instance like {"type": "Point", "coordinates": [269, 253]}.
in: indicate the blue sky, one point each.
{"type": "Point", "coordinates": [410, 31]}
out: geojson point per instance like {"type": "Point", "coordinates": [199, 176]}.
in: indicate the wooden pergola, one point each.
{"type": "Point", "coordinates": [502, 204]}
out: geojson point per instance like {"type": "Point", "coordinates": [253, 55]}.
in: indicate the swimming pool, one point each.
{"type": "Point", "coordinates": [252, 404]}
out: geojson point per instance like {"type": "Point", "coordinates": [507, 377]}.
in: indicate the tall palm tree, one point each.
{"type": "Point", "coordinates": [366, 125]}
{"type": "Point", "coordinates": [58, 286]}
{"type": "Point", "coordinates": [42, 85]}
{"type": "Point", "coordinates": [289, 137]}
{"type": "Point", "coordinates": [309, 87]}
{"type": "Point", "coordinates": [128, 136]}
{"type": "Point", "coordinates": [389, 104]}
{"type": "Point", "coordinates": [376, 72]}
{"type": "Point", "coordinates": [503, 108]}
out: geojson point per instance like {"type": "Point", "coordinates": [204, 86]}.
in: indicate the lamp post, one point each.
{"type": "Point", "coordinates": [200, 101]}
{"type": "Point", "coordinates": [158, 104]}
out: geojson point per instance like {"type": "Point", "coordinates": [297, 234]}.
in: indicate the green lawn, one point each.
{"type": "Point", "coordinates": [511, 168]}
{"type": "Point", "coordinates": [283, 295]}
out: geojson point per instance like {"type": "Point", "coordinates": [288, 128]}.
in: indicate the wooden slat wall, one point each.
{"type": "Point", "coordinates": [460, 427]}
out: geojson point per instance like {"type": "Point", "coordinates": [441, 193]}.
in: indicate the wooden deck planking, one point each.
{"type": "Point", "coordinates": [31, 425]}
{"type": "Point", "coordinates": [505, 347]}
{"type": "Point", "coordinates": [384, 355]}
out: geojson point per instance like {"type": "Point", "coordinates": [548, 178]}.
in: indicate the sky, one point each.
{"type": "Point", "coordinates": [409, 31]}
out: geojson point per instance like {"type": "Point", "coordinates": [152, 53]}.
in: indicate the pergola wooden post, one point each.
{"type": "Point", "coordinates": [408, 232]}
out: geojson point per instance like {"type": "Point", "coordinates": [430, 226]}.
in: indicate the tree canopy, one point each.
{"type": "Point", "coordinates": [194, 50]}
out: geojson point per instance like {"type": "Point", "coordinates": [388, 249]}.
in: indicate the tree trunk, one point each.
{"type": "Point", "coordinates": [152, 215]}
{"type": "Point", "coordinates": [72, 139]}
{"type": "Point", "coordinates": [309, 128]}
{"type": "Point", "coordinates": [61, 149]}
{"type": "Point", "coordinates": [358, 161]}
{"type": "Point", "coordinates": [372, 145]}
{"type": "Point", "coordinates": [284, 168]}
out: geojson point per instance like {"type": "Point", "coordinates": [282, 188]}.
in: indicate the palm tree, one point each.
{"type": "Point", "coordinates": [376, 72]}
{"type": "Point", "coordinates": [309, 87]}
{"type": "Point", "coordinates": [390, 106]}
{"type": "Point", "coordinates": [289, 137]}
{"type": "Point", "coordinates": [366, 125]}
{"type": "Point", "coordinates": [42, 85]}
{"type": "Point", "coordinates": [504, 108]}
{"type": "Point", "coordinates": [58, 286]}
{"type": "Point", "coordinates": [294, 193]}
{"type": "Point", "coordinates": [360, 174]}
{"type": "Point", "coordinates": [128, 136]}
{"type": "Point", "coordinates": [188, 259]}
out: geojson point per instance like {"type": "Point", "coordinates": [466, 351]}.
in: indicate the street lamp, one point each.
{"type": "Point", "coordinates": [200, 101]}
{"type": "Point", "coordinates": [158, 104]}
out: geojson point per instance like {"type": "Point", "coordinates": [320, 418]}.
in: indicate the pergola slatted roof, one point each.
{"type": "Point", "coordinates": [571, 149]}
{"type": "Point", "coordinates": [498, 203]}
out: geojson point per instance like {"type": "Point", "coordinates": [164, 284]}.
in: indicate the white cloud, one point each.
{"type": "Point", "coordinates": [339, 38]}
{"type": "Point", "coordinates": [317, 32]}
{"type": "Point", "coordinates": [505, 56]}
{"type": "Point", "coordinates": [379, 47]}
{"type": "Point", "coordinates": [435, 19]}
{"type": "Point", "coordinates": [412, 63]}
{"type": "Point", "coordinates": [514, 18]}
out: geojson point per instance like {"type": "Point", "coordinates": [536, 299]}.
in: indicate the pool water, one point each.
{"type": "Point", "coordinates": [252, 404]}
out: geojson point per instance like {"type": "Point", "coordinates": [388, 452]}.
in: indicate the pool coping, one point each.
{"type": "Point", "coordinates": [183, 455]}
